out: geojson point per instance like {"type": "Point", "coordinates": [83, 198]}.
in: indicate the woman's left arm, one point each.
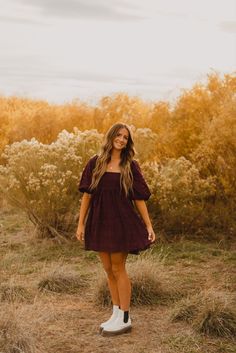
{"type": "Point", "coordinates": [142, 209]}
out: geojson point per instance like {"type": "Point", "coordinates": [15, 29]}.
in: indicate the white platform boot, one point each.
{"type": "Point", "coordinates": [121, 324]}
{"type": "Point", "coordinates": [112, 318]}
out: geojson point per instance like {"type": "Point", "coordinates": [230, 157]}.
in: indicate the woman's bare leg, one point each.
{"type": "Point", "coordinates": [122, 280]}
{"type": "Point", "coordinates": [112, 284]}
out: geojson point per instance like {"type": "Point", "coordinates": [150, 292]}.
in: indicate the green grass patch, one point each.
{"type": "Point", "coordinates": [193, 251]}
{"type": "Point", "coordinates": [49, 251]}
{"type": "Point", "coordinates": [12, 221]}
{"type": "Point", "coordinates": [230, 257]}
{"type": "Point", "coordinates": [13, 260]}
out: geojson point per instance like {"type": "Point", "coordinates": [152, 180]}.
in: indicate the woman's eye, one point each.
{"type": "Point", "coordinates": [126, 137]}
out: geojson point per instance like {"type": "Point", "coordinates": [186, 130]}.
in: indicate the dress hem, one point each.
{"type": "Point", "coordinates": [134, 251]}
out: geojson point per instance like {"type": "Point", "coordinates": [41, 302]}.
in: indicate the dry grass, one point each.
{"type": "Point", "coordinates": [185, 342]}
{"type": "Point", "coordinates": [68, 322]}
{"type": "Point", "coordinates": [210, 312]}
{"type": "Point", "coordinates": [17, 334]}
{"type": "Point", "coordinates": [150, 284]}
{"type": "Point", "coordinates": [218, 322]}
{"type": "Point", "coordinates": [61, 282]}
{"type": "Point", "coordinates": [14, 293]}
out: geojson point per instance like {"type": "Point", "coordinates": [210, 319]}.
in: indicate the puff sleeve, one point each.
{"type": "Point", "coordinates": [86, 177]}
{"type": "Point", "coordinates": [140, 188]}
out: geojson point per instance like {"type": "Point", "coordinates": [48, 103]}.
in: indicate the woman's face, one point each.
{"type": "Point", "coordinates": [121, 139]}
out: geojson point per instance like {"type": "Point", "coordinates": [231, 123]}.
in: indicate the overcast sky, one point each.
{"type": "Point", "coordinates": [59, 50]}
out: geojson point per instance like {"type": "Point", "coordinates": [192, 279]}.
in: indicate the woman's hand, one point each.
{"type": "Point", "coordinates": [80, 233]}
{"type": "Point", "coordinates": [151, 234]}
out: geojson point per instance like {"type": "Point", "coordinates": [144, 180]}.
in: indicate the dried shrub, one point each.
{"type": "Point", "coordinates": [217, 322]}
{"type": "Point", "coordinates": [14, 338]}
{"type": "Point", "coordinates": [179, 193]}
{"type": "Point", "coordinates": [210, 312]}
{"type": "Point", "coordinates": [186, 309]}
{"type": "Point", "coordinates": [61, 282]}
{"type": "Point", "coordinates": [42, 179]}
{"type": "Point", "coordinates": [14, 293]}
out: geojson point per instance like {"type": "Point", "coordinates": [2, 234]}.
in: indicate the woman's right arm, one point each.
{"type": "Point", "coordinates": [85, 203]}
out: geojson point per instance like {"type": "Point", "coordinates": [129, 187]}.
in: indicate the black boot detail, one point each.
{"type": "Point", "coordinates": [126, 316]}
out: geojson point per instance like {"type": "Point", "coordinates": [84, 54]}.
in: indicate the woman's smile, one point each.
{"type": "Point", "coordinates": [119, 143]}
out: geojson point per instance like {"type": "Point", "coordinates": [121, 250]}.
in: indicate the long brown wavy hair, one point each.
{"type": "Point", "coordinates": [104, 157]}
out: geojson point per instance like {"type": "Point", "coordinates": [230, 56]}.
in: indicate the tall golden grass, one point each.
{"type": "Point", "coordinates": [180, 126]}
{"type": "Point", "coordinates": [187, 151]}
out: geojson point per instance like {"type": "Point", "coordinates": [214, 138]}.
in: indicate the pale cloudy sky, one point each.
{"type": "Point", "coordinates": [59, 50]}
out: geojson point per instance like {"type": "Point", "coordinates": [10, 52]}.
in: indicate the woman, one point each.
{"type": "Point", "coordinates": [111, 181]}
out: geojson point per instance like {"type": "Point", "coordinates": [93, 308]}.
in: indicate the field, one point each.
{"type": "Point", "coordinates": [63, 318]}
{"type": "Point", "coordinates": [53, 294]}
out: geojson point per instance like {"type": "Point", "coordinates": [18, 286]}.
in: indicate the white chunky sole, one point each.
{"type": "Point", "coordinates": [105, 333]}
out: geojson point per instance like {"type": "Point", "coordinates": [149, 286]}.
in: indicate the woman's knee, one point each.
{"type": "Point", "coordinates": [118, 270]}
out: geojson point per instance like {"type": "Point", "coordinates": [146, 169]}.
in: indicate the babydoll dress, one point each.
{"type": "Point", "coordinates": [113, 224]}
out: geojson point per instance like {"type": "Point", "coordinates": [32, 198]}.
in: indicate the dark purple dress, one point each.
{"type": "Point", "coordinates": [113, 225]}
